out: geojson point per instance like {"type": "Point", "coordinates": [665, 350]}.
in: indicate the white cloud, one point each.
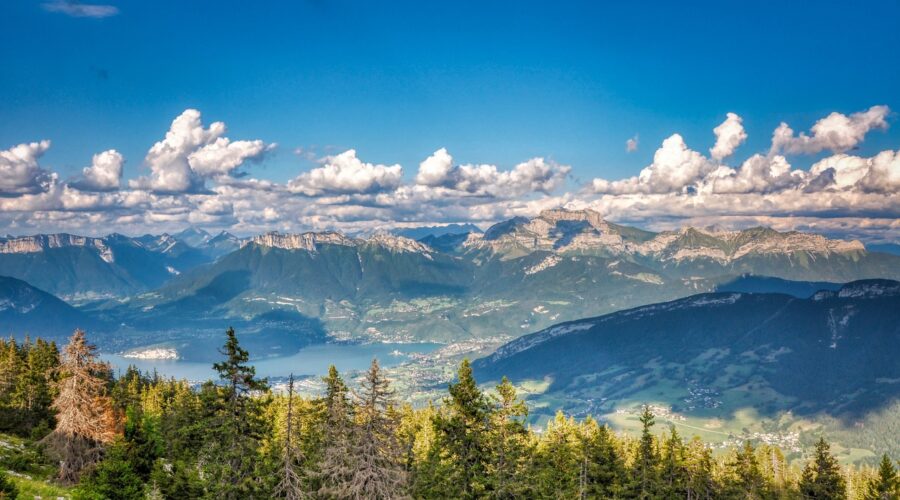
{"type": "Point", "coordinates": [189, 154]}
{"type": "Point", "coordinates": [19, 169]}
{"type": "Point", "coordinates": [222, 156]}
{"type": "Point", "coordinates": [836, 132]}
{"type": "Point", "coordinates": [436, 169]}
{"type": "Point", "coordinates": [674, 167]}
{"type": "Point", "coordinates": [346, 174]}
{"type": "Point", "coordinates": [105, 172]}
{"type": "Point", "coordinates": [631, 145]}
{"type": "Point", "coordinates": [77, 9]}
{"type": "Point", "coordinates": [534, 175]}
{"type": "Point", "coordinates": [729, 136]}
{"type": "Point", "coordinates": [839, 194]}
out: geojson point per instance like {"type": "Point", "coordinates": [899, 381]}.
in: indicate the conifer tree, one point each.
{"type": "Point", "coordinates": [290, 485]}
{"type": "Point", "coordinates": [84, 418]}
{"type": "Point", "coordinates": [603, 467]}
{"type": "Point", "coordinates": [560, 467]}
{"type": "Point", "coordinates": [379, 470]}
{"type": "Point", "coordinates": [231, 456]}
{"type": "Point", "coordinates": [885, 485]}
{"type": "Point", "coordinates": [508, 442]}
{"type": "Point", "coordinates": [701, 483]}
{"type": "Point", "coordinates": [645, 471]}
{"type": "Point", "coordinates": [673, 468]}
{"type": "Point", "coordinates": [114, 477]}
{"type": "Point", "coordinates": [747, 480]}
{"type": "Point", "coordinates": [462, 435]}
{"type": "Point", "coordinates": [338, 461]}
{"type": "Point", "coordinates": [821, 478]}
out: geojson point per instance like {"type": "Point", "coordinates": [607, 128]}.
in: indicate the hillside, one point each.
{"type": "Point", "coordinates": [26, 310]}
{"type": "Point", "coordinates": [714, 354]}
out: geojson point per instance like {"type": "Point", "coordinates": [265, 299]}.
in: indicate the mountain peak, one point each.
{"type": "Point", "coordinates": [304, 241]}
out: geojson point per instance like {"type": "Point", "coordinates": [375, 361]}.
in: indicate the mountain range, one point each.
{"type": "Point", "coordinates": [516, 277]}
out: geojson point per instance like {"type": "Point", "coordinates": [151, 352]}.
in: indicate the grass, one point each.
{"type": "Point", "coordinates": [30, 488]}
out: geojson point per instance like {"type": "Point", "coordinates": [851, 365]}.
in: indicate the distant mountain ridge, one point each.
{"type": "Point", "coordinates": [832, 351]}
{"type": "Point", "coordinates": [417, 233]}
{"type": "Point", "coordinates": [26, 310]}
{"type": "Point", "coordinates": [519, 276]}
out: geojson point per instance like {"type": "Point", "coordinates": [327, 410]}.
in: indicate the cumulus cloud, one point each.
{"type": "Point", "coordinates": [729, 136]}
{"type": "Point", "coordinates": [193, 180]}
{"type": "Point", "coordinates": [836, 132]}
{"type": "Point", "coordinates": [20, 172]}
{"type": "Point", "coordinates": [104, 174]}
{"type": "Point", "coordinates": [347, 174]}
{"type": "Point", "coordinates": [631, 145]}
{"type": "Point", "coordinates": [534, 175]}
{"type": "Point", "coordinates": [436, 169]}
{"type": "Point", "coordinates": [77, 9]}
{"type": "Point", "coordinates": [674, 167]}
{"type": "Point", "coordinates": [190, 154]}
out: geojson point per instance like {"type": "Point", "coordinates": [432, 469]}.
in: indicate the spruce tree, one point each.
{"type": "Point", "coordinates": [508, 442]}
{"type": "Point", "coordinates": [673, 467]}
{"type": "Point", "coordinates": [231, 457]}
{"type": "Point", "coordinates": [379, 470]}
{"type": "Point", "coordinates": [645, 470]}
{"type": "Point", "coordinates": [885, 485]}
{"type": "Point", "coordinates": [84, 418]}
{"type": "Point", "coordinates": [747, 480]}
{"type": "Point", "coordinates": [559, 460]}
{"type": "Point", "coordinates": [114, 477]}
{"type": "Point", "coordinates": [701, 483]}
{"type": "Point", "coordinates": [290, 484]}
{"type": "Point", "coordinates": [604, 469]}
{"type": "Point", "coordinates": [462, 436]}
{"type": "Point", "coordinates": [821, 478]}
{"type": "Point", "coordinates": [337, 466]}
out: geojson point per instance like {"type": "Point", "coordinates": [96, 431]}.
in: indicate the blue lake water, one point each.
{"type": "Point", "coordinates": [312, 360]}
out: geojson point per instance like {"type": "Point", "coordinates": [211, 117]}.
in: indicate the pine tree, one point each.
{"type": "Point", "coordinates": [290, 485]}
{"type": "Point", "coordinates": [645, 470]}
{"type": "Point", "coordinates": [84, 419]}
{"type": "Point", "coordinates": [821, 478]}
{"type": "Point", "coordinates": [462, 436]}
{"type": "Point", "coordinates": [379, 470]}
{"type": "Point", "coordinates": [885, 485]}
{"type": "Point", "coordinates": [338, 461]}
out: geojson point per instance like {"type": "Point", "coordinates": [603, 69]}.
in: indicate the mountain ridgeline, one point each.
{"type": "Point", "coordinates": [518, 276]}
{"type": "Point", "coordinates": [836, 350]}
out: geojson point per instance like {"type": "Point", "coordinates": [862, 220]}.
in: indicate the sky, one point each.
{"type": "Point", "coordinates": [142, 117]}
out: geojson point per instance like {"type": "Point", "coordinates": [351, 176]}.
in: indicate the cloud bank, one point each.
{"type": "Point", "coordinates": [196, 175]}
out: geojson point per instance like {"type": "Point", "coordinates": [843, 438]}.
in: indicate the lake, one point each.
{"type": "Point", "coordinates": [312, 360]}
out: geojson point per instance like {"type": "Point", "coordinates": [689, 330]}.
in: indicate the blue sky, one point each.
{"type": "Point", "coordinates": [493, 82]}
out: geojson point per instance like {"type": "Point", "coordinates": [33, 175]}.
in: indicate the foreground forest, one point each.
{"type": "Point", "coordinates": [66, 418]}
